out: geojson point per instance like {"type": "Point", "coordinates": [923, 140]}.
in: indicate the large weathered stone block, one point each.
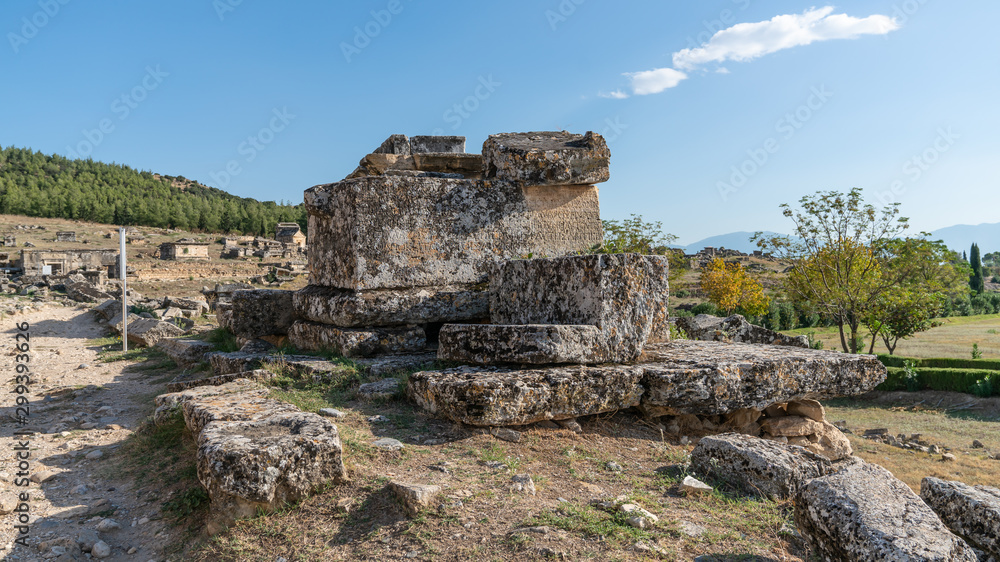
{"type": "Point", "coordinates": [386, 232]}
{"type": "Point", "coordinates": [972, 513]}
{"type": "Point", "coordinates": [862, 513]}
{"type": "Point", "coordinates": [265, 464]}
{"type": "Point", "coordinates": [147, 331]}
{"type": "Point", "coordinates": [230, 407]}
{"type": "Point", "coordinates": [389, 307]}
{"type": "Point", "coordinates": [757, 466]}
{"type": "Point", "coordinates": [624, 295]}
{"type": "Point", "coordinates": [167, 403]}
{"type": "Point", "coordinates": [538, 344]}
{"type": "Point", "coordinates": [263, 312]}
{"type": "Point", "coordinates": [703, 377]}
{"type": "Point", "coordinates": [357, 342]}
{"type": "Point", "coordinates": [540, 309]}
{"type": "Point", "coordinates": [390, 232]}
{"type": "Point", "coordinates": [547, 158]}
{"type": "Point", "coordinates": [496, 397]}
{"type": "Point", "coordinates": [734, 329]}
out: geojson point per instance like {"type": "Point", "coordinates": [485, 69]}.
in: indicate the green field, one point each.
{"type": "Point", "coordinates": [953, 338]}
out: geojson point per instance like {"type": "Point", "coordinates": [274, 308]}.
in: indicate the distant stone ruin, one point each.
{"type": "Point", "coordinates": [66, 236]}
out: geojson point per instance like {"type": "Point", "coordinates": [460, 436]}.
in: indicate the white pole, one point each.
{"type": "Point", "coordinates": [121, 272]}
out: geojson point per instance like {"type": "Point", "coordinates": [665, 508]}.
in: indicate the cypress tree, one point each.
{"type": "Point", "coordinates": [976, 279]}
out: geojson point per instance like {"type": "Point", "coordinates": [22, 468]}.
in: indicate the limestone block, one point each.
{"type": "Point", "coordinates": [146, 332]}
{"type": "Point", "coordinates": [705, 377]}
{"type": "Point", "coordinates": [421, 144]}
{"type": "Point", "coordinates": [863, 513]}
{"type": "Point", "coordinates": [624, 295]}
{"type": "Point", "coordinates": [497, 397]}
{"type": "Point", "coordinates": [464, 165]}
{"type": "Point", "coordinates": [230, 407]}
{"type": "Point", "coordinates": [757, 466]}
{"type": "Point", "coordinates": [972, 513]}
{"type": "Point", "coordinates": [395, 144]}
{"type": "Point", "coordinates": [86, 292]}
{"type": "Point", "coordinates": [357, 342]}
{"type": "Point", "coordinates": [539, 344]}
{"type": "Point", "coordinates": [268, 463]}
{"type": "Point", "coordinates": [734, 329]}
{"type": "Point", "coordinates": [547, 158]}
{"type": "Point", "coordinates": [256, 375]}
{"type": "Point", "coordinates": [390, 232]}
{"type": "Point", "coordinates": [109, 308]}
{"type": "Point", "coordinates": [167, 403]}
{"type": "Point", "coordinates": [263, 312]}
{"type": "Point", "coordinates": [390, 307]}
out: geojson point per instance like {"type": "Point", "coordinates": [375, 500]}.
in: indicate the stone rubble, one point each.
{"type": "Point", "coordinates": [971, 512]}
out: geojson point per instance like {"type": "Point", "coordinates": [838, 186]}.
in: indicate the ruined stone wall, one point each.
{"type": "Point", "coordinates": [64, 261]}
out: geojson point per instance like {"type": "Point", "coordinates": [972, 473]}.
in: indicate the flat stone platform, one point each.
{"type": "Point", "coordinates": [676, 377]}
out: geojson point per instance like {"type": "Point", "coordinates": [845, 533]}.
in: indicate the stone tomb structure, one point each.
{"type": "Point", "coordinates": [407, 241]}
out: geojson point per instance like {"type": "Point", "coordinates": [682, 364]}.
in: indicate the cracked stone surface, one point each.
{"type": "Point", "coordinates": [390, 307]}
{"type": "Point", "coordinates": [971, 512]}
{"type": "Point", "coordinates": [547, 158]}
{"type": "Point", "coordinates": [357, 342]}
{"type": "Point", "coordinates": [757, 466]}
{"type": "Point", "coordinates": [497, 397]}
{"type": "Point", "coordinates": [261, 312]}
{"type": "Point", "coordinates": [863, 513]}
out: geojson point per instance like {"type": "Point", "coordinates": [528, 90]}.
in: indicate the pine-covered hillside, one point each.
{"type": "Point", "coordinates": [52, 186]}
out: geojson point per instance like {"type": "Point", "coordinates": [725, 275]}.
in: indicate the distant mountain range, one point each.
{"type": "Point", "coordinates": [959, 238]}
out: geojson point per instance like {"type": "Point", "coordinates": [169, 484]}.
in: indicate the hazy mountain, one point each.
{"type": "Point", "coordinates": [732, 241]}
{"type": "Point", "coordinates": [961, 236]}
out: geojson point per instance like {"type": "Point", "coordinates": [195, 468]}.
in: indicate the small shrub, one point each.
{"type": "Point", "coordinates": [910, 378]}
{"type": "Point", "coordinates": [814, 342]}
{"type": "Point", "coordinates": [976, 354]}
{"type": "Point", "coordinates": [982, 387]}
{"type": "Point", "coordinates": [705, 308]}
{"type": "Point", "coordinates": [223, 339]}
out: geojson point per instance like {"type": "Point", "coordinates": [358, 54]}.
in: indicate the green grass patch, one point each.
{"type": "Point", "coordinates": [592, 523]}
{"type": "Point", "coordinates": [223, 339]}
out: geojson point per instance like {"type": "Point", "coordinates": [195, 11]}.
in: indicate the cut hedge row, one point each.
{"type": "Point", "coordinates": [941, 362]}
{"type": "Point", "coordinates": [981, 382]}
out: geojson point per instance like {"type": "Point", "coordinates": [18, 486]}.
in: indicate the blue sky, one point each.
{"type": "Point", "coordinates": [715, 112]}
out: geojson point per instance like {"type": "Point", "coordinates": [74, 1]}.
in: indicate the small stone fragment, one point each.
{"type": "Point", "coordinates": [811, 409]}
{"type": "Point", "coordinates": [523, 483]}
{"type": "Point", "coordinates": [691, 486]}
{"type": "Point", "coordinates": [388, 444]}
{"type": "Point", "coordinates": [94, 455]}
{"type": "Point", "coordinates": [414, 496]}
{"type": "Point", "coordinates": [977, 444]}
{"type": "Point", "coordinates": [100, 549]}
{"type": "Point", "coordinates": [506, 434]}
{"type": "Point", "coordinates": [332, 413]}
{"type": "Point", "coordinates": [947, 457]}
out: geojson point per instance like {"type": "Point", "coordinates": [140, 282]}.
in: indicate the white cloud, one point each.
{"type": "Point", "coordinates": [654, 81]}
{"type": "Point", "coordinates": [722, 70]}
{"type": "Point", "coordinates": [747, 41]}
{"type": "Point", "coordinates": [617, 94]}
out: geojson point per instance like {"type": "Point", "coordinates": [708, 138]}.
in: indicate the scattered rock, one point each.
{"type": "Point", "coordinates": [735, 329]}
{"type": "Point", "coordinates": [690, 529]}
{"type": "Point", "coordinates": [94, 455]}
{"type": "Point", "coordinates": [506, 434]}
{"type": "Point", "coordinates": [523, 483]}
{"type": "Point", "coordinates": [977, 444]}
{"type": "Point", "coordinates": [863, 513]}
{"type": "Point", "coordinates": [385, 388]}
{"type": "Point", "coordinates": [388, 444]}
{"type": "Point", "coordinates": [414, 496]}
{"type": "Point", "coordinates": [332, 413]}
{"type": "Point", "coordinates": [108, 525]}
{"type": "Point", "coordinates": [691, 486]}
{"type": "Point", "coordinates": [571, 425]}
{"type": "Point", "coordinates": [100, 550]}
{"type": "Point", "coordinates": [757, 466]}
{"type": "Point", "coordinates": [947, 457]}
{"type": "Point", "coordinates": [613, 466]}
{"type": "Point", "coordinates": [43, 476]}
{"type": "Point", "coordinates": [811, 409]}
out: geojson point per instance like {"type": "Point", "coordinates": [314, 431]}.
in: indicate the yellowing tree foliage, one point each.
{"type": "Point", "coordinates": [730, 287]}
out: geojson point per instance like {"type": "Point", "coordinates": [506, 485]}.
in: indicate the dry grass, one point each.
{"type": "Point", "coordinates": [930, 414]}
{"type": "Point", "coordinates": [954, 338]}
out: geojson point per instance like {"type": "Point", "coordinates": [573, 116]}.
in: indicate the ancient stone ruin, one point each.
{"type": "Point", "coordinates": [427, 252]}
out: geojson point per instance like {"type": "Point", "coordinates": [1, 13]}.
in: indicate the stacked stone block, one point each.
{"type": "Point", "coordinates": [408, 240]}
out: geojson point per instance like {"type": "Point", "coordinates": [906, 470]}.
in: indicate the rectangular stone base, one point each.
{"type": "Point", "coordinates": [351, 342]}
{"type": "Point", "coordinates": [681, 377]}
{"type": "Point", "coordinates": [391, 307]}
{"type": "Point", "coordinates": [537, 344]}
{"type": "Point", "coordinates": [494, 397]}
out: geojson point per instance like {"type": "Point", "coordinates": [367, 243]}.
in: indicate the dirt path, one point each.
{"type": "Point", "coordinates": [80, 411]}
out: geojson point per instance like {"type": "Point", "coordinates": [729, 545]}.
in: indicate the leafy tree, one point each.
{"type": "Point", "coordinates": [976, 278]}
{"type": "Point", "coordinates": [835, 267]}
{"type": "Point", "coordinates": [730, 287]}
{"type": "Point", "coordinates": [636, 236]}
